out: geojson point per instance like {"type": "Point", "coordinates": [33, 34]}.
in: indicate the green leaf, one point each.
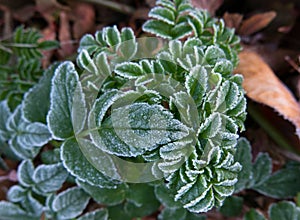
{"type": "Point", "coordinates": [112, 35]}
{"type": "Point", "coordinates": [284, 211]}
{"type": "Point", "coordinates": [36, 102]}
{"type": "Point", "coordinates": [16, 193]}
{"type": "Point", "coordinates": [26, 137]}
{"type": "Point", "coordinates": [253, 215]}
{"type": "Point", "coordinates": [105, 196]}
{"type": "Point", "coordinates": [284, 183]}
{"type": "Point", "coordinates": [25, 173]}
{"type": "Point", "coordinates": [48, 45]}
{"type": "Point", "coordinates": [213, 54]}
{"type": "Point", "coordinates": [244, 157]}
{"type": "Point", "coordinates": [163, 14]}
{"type": "Point", "coordinates": [134, 129]}
{"type": "Point", "coordinates": [159, 28]}
{"type": "Point", "coordinates": [10, 211]}
{"type": "Point", "coordinates": [32, 205]}
{"type": "Point", "coordinates": [197, 83]}
{"type": "Point", "coordinates": [66, 92]}
{"type": "Point", "coordinates": [141, 200]}
{"type": "Point", "coordinates": [77, 164]}
{"type": "Point", "coordinates": [85, 62]}
{"type": "Point", "coordinates": [262, 169]}
{"type": "Point", "coordinates": [88, 42]}
{"type": "Point", "coordinates": [175, 213]}
{"type": "Point", "coordinates": [129, 70]}
{"type": "Point", "coordinates": [232, 206]}
{"type": "Point", "coordinates": [4, 115]}
{"type": "Point", "coordinates": [165, 197]}
{"type": "Point", "coordinates": [99, 214]}
{"type": "Point", "coordinates": [51, 156]}
{"type": "Point", "coordinates": [49, 178]}
{"type": "Point", "coordinates": [70, 203]}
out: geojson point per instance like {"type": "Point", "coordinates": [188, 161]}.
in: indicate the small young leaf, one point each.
{"type": "Point", "coordinates": [159, 28]}
{"type": "Point", "coordinates": [16, 193]}
{"type": "Point", "coordinates": [70, 203]}
{"type": "Point", "coordinates": [253, 215]}
{"type": "Point", "coordinates": [25, 173]}
{"type": "Point", "coordinates": [32, 205]}
{"type": "Point", "coordinates": [112, 35]}
{"type": "Point", "coordinates": [99, 214]}
{"type": "Point", "coordinates": [49, 178]}
{"type": "Point", "coordinates": [129, 70]}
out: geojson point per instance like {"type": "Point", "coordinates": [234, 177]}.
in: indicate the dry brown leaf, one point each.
{"type": "Point", "coordinates": [233, 20]}
{"type": "Point", "coordinates": [256, 23]}
{"type": "Point", "coordinates": [64, 36]}
{"type": "Point", "coordinates": [210, 5]}
{"type": "Point", "coordinates": [84, 19]}
{"type": "Point", "coordinates": [263, 86]}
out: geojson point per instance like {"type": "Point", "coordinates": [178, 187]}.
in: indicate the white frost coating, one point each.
{"type": "Point", "coordinates": [85, 62]}
{"type": "Point", "coordinates": [128, 70]}
{"type": "Point", "coordinates": [183, 190]}
{"type": "Point", "coordinates": [213, 123]}
{"type": "Point", "coordinates": [160, 13]}
{"type": "Point", "coordinates": [198, 199]}
{"type": "Point", "coordinates": [70, 203]}
{"type": "Point", "coordinates": [109, 39]}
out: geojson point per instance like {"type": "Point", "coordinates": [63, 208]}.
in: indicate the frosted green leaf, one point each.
{"type": "Point", "coordinates": [165, 197]}
{"type": "Point", "coordinates": [32, 205]}
{"type": "Point", "coordinates": [283, 184]}
{"type": "Point", "coordinates": [49, 178]}
{"type": "Point", "coordinates": [213, 54]}
{"type": "Point", "coordinates": [36, 102]}
{"type": "Point", "coordinates": [77, 164]}
{"type": "Point", "coordinates": [25, 173]}
{"type": "Point", "coordinates": [163, 14]}
{"type": "Point", "coordinates": [136, 128]}
{"type": "Point", "coordinates": [102, 64]}
{"type": "Point", "coordinates": [10, 211]}
{"type": "Point", "coordinates": [159, 28]}
{"type": "Point", "coordinates": [253, 215]}
{"type": "Point", "coordinates": [16, 193]}
{"type": "Point", "coordinates": [244, 157]}
{"type": "Point", "coordinates": [129, 70]}
{"type": "Point", "coordinates": [181, 30]}
{"type": "Point", "coordinates": [197, 83]}
{"type": "Point", "coordinates": [88, 43]}
{"type": "Point", "coordinates": [22, 152]}
{"type": "Point", "coordinates": [112, 36]}
{"type": "Point", "coordinates": [66, 92]}
{"type": "Point", "coordinates": [85, 62]}
{"type": "Point", "coordinates": [105, 196]}
{"type": "Point", "coordinates": [70, 203]}
{"type": "Point", "coordinates": [99, 214]}
{"type": "Point", "coordinates": [26, 136]}
{"type": "Point", "coordinates": [224, 67]}
{"type": "Point", "coordinates": [211, 126]}
{"type": "Point", "coordinates": [4, 115]}
{"type": "Point", "coordinates": [262, 169]}
{"type": "Point", "coordinates": [284, 211]}
{"type": "Point", "coordinates": [128, 48]}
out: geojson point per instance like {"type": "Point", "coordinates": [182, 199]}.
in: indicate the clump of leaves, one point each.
{"type": "Point", "coordinates": [136, 124]}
